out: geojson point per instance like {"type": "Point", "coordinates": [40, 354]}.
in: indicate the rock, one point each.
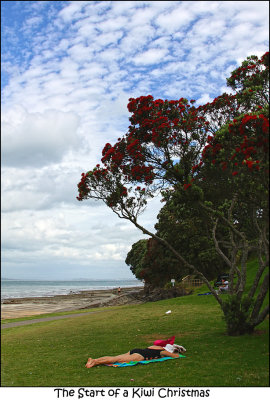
{"type": "Point", "coordinates": [163, 294]}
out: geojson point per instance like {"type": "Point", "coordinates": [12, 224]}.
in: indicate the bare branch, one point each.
{"type": "Point", "coordinates": [232, 265]}
{"type": "Point", "coordinates": [260, 298]}
{"type": "Point", "coordinates": [177, 255]}
{"type": "Point", "coordinates": [225, 220]}
{"type": "Point", "coordinates": [256, 280]}
{"type": "Point", "coordinates": [242, 282]}
{"type": "Point", "coordinates": [261, 316]}
{"type": "Point", "coordinates": [218, 249]}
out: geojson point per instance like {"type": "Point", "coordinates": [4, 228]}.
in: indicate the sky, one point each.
{"type": "Point", "coordinates": [68, 70]}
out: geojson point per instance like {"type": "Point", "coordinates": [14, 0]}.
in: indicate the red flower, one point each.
{"type": "Point", "coordinates": [249, 163]}
{"type": "Point", "coordinates": [224, 165]}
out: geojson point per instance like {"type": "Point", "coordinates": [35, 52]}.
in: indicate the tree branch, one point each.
{"type": "Point", "coordinates": [261, 316]}
{"type": "Point", "coordinates": [260, 298]}
{"type": "Point", "coordinates": [218, 249]}
{"type": "Point", "coordinates": [243, 272]}
{"type": "Point", "coordinates": [177, 255]}
{"type": "Point", "coordinates": [256, 281]}
{"type": "Point", "coordinates": [232, 265]}
{"type": "Point", "coordinates": [225, 220]}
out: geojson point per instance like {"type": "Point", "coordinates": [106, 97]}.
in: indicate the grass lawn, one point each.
{"type": "Point", "coordinates": [54, 353]}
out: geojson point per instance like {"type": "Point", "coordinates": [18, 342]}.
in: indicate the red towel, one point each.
{"type": "Point", "coordinates": [163, 343]}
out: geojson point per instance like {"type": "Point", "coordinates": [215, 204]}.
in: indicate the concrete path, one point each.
{"type": "Point", "coordinates": [37, 320]}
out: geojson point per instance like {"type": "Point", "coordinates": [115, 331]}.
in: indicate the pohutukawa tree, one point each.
{"type": "Point", "coordinates": [214, 157]}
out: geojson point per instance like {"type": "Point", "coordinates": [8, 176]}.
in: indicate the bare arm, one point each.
{"type": "Point", "coordinates": [166, 353]}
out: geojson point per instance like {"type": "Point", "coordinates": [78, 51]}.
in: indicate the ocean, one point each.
{"type": "Point", "coordinates": [24, 288]}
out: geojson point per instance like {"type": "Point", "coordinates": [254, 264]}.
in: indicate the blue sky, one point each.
{"type": "Point", "coordinates": [68, 70]}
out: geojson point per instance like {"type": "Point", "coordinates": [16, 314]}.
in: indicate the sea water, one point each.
{"type": "Point", "coordinates": [26, 288]}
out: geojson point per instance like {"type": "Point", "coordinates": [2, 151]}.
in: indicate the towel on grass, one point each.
{"type": "Point", "coordinates": [131, 363]}
{"type": "Point", "coordinates": [204, 294]}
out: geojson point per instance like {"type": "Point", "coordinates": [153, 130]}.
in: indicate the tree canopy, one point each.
{"type": "Point", "coordinates": [136, 258]}
{"type": "Point", "coordinates": [212, 158]}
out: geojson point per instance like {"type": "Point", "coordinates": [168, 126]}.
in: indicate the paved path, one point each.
{"type": "Point", "coordinates": [36, 320]}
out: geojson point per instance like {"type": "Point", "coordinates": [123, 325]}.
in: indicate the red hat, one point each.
{"type": "Point", "coordinates": [163, 343]}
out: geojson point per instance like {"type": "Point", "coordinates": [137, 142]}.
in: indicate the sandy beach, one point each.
{"type": "Point", "coordinates": [30, 306]}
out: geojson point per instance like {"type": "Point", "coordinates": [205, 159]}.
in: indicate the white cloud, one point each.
{"type": "Point", "coordinates": [171, 22]}
{"type": "Point", "coordinates": [66, 87]}
{"type": "Point", "coordinates": [152, 56]}
{"type": "Point", "coordinates": [205, 98]}
{"type": "Point", "coordinates": [45, 188]}
{"type": "Point", "coordinates": [33, 139]}
{"type": "Point", "coordinates": [109, 26]}
{"type": "Point", "coordinates": [72, 11]}
{"type": "Point", "coordinates": [31, 22]}
{"type": "Point", "coordinates": [65, 237]}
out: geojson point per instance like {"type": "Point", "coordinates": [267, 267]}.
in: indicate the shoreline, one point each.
{"type": "Point", "coordinates": [31, 306]}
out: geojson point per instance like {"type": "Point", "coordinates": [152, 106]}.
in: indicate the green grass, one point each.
{"type": "Point", "coordinates": [54, 353]}
{"type": "Point", "coordinates": [251, 271]}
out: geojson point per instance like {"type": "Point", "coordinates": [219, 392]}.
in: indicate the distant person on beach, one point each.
{"type": "Point", "coordinates": [139, 355]}
{"type": "Point", "coordinates": [224, 286]}
{"type": "Point", "coordinates": [119, 290]}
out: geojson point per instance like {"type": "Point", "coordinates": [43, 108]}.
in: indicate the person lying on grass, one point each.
{"type": "Point", "coordinates": [139, 355]}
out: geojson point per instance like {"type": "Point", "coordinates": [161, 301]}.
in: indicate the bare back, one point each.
{"type": "Point", "coordinates": [164, 353]}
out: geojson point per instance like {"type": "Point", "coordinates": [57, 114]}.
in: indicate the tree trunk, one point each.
{"type": "Point", "coordinates": [236, 308]}
{"type": "Point", "coordinates": [236, 317]}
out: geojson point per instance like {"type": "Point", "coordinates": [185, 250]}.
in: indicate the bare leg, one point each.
{"type": "Point", "coordinates": [110, 360]}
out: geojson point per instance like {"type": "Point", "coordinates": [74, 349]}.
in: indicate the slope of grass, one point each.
{"type": "Point", "coordinates": [54, 353]}
{"type": "Point", "coordinates": [252, 267]}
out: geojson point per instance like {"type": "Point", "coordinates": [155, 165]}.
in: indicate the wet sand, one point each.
{"type": "Point", "coordinates": [30, 306]}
